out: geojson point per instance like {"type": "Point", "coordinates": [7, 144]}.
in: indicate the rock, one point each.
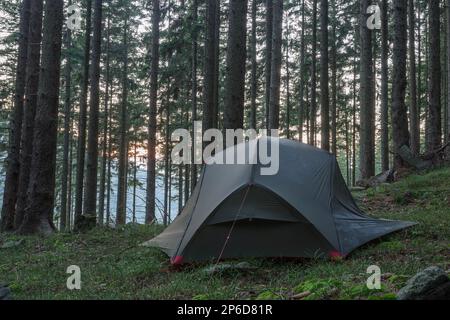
{"type": "Point", "coordinates": [429, 282]}
{"type": "Point", "coordinates": [5, 293]}
{"type": "Point", "coordinates": [441, 292]}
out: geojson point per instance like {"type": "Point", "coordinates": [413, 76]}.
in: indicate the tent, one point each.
{"type": "Point", "coordinates": [305, 210]}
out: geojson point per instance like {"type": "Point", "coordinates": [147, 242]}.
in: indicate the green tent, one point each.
{"type": "Point", "coordinates": [305, 210]}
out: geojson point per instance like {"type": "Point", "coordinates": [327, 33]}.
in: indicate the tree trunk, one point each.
{"type": "Point", "coordinates": [334, 84]}
{"type": "Point", "coordinates": [38, 215]}
{"type": "Point", "coordinates": [434, 83]}
{"type": "Point", "coordinates": [400, 134]}
{"type": "Point", "coordinates": [194, 91]}
{"type": "Point", "coordinates": [90, 196]}
{"type": "Point", "coordinates": [29, 112]}
{"type": "Point", "coordinates": [236, 56]}
{"type": "Point", "coordinates": [151, 162]}
{"type": "Point", "coordinates": [66, 145]}
{"type": "Point", "coordinates": [301, 107]}
{"type": "Point", "coordinates": [121, 213]}
{"type": "Point", "coordinates": [15, 125]}
{"type": "Point", "coordinates": [324, 78]}
{"type": "Point", "coordinates": [413, 113]}
{"type": "Point", "coordinates": [211, 76]}
{"type": "Point", "coordinates": [101, 200]}
{"type": "Point", "coordinates": [313, 109]}
{"type": "Point", "coordinates": [288, 88]}
{"type": "Point", "coordinates": [448, 78]}
{"type": "Point", "coordinates": [384, 116]}
{"type": "Point", "coordinates": [367, 143]}
{"type": "Point", "coordinates": [254, 80]}
{"type": "Point", "coordinates": [109, 161]}
{"type": "Point", "coordinates": [275, 76]}
{"type": "Point", "coordinates": [81, 151]}
{"type": "Point", "coordinates": [268, 71]}
{"type": "Point", "coordinates": [135, 168]}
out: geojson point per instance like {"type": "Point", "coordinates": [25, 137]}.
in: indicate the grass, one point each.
{"type": "Point", "coordinates": [114, 266]}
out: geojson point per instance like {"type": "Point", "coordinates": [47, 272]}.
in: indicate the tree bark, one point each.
{"type": "Point", "coordinates": [254, 80]}
{"type": "Point", "coordinates": [194, 91]}
{"type": "Point", "coordinates": [101, 200]}
{"type": "Point", "coordinates": [400, 134]}
{"type": "Point", "coordinates": [301, 106]}
{"type": "Point", "coordinates": [448, 78]}
{"type": "Point", "coordinates": [29, 112]}
{"type": "Point", "coordinates": [275, 77]}
{"type": "Point", "coordinates": [434, 83]}
{"type": "Point", "coordinates": [324, 77]}
{"type": "Point", "coordinates": [90, 195]}
{"type": "Point", "coordinates": [313, 109]}
{"type": "Point", "coordinates": [38, 216]}
{"type": "Point", "coordinates": [66, 144]}
{"type": "Point", "coordinates": [121, 214]}
{"type": "Point", "coordinates": [81, 149]}
{"type": "Point", "coordinates": [151, 162]}
{"type": "Point", "coordinates": [268, 70]}
{"type": "Point", "coordinates": [235, 65]}
{"type": "Point", "coordinates": [211, 76]}
{"type": "Point", "coordinates": [334, 90]}
{"type": "Point", "coordinates": [15, 125]}
{"type": "Point", "coordinates": [413, 112]}
{"type": "Point", "coordinates": [384, 116]}
{"type": "Point", "coordinates": [367, 143]}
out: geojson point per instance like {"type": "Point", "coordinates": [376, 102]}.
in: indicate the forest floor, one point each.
{"type": "Point", "coordinates": [114, 266]}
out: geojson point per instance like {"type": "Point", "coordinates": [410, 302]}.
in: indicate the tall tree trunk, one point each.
{"type": "Point", "coordinates": [166, 162]}
{"type": "Point", "coordinates": [324, 78]}
{"type": "Point", "coordinates": [211, 76]}
{"type": "Point", "coordinates": [180, 188]}
{"type": "Point", "coordinates": [90, 196]}
{"type": "Point", "coordinates": [151, 162]}
{"type": "Point", "coordinates": [81, 151]}
{"type": "Point", "coordinates": [121, 213]}
{"type": "Point", "coordinates": [367, 143]}
{"type": "Point", "coordinates": [101, 200]}
{"type": "Point", "coordinates": [333, 113]}
{"type": "Point", "coordinates": [413, 113]}
{"type": "Point", "coordinates": [69, 186]}
{"type": "Point", "coordinates": [66, 145]}
{"type": "Point", "coordinates": [400, 134]}
{"type": "Point", "coordinates": [384, 116]}
{"type": "Point", "coordinates": [135, 168]}
{"type": "Point", "coordinates": [109, 161]}
{"type": "Point", "coordinates": [38, 215]}
{"type": "Point", "coordinates": [236, 56]}
{"type": "Point", "coordinates": [448, 78]}
{"type": "Point", "coordinates": [313, 109]}
{"type": "Point", "coordinates": [268, 70]}
{"type": "Point", "coordinates": [254, 80]}
{"type": "Point", "coordinates": [275, 77]}
{"type": "Point", "coordinates": [434, 88]}
{"type": "Point", "coordinates": [194, 91]}
{"type": "Point", "coordinates": [301, 106]}
{"type": "Point", "coordinates": [15, 125]}
{"type": "Point", "coordinates": [288, 88]}
{"type": "Point", "coordinates": [29, 112]}
{"type": "Point", "coordinates": [354, 129]}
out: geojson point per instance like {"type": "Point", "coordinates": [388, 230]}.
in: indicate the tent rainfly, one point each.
{"type": "Point", "coordinates": [305, 210]}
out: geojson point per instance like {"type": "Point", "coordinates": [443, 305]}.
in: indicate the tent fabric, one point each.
{"type": "Point", "coordinates": [305, 210]}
